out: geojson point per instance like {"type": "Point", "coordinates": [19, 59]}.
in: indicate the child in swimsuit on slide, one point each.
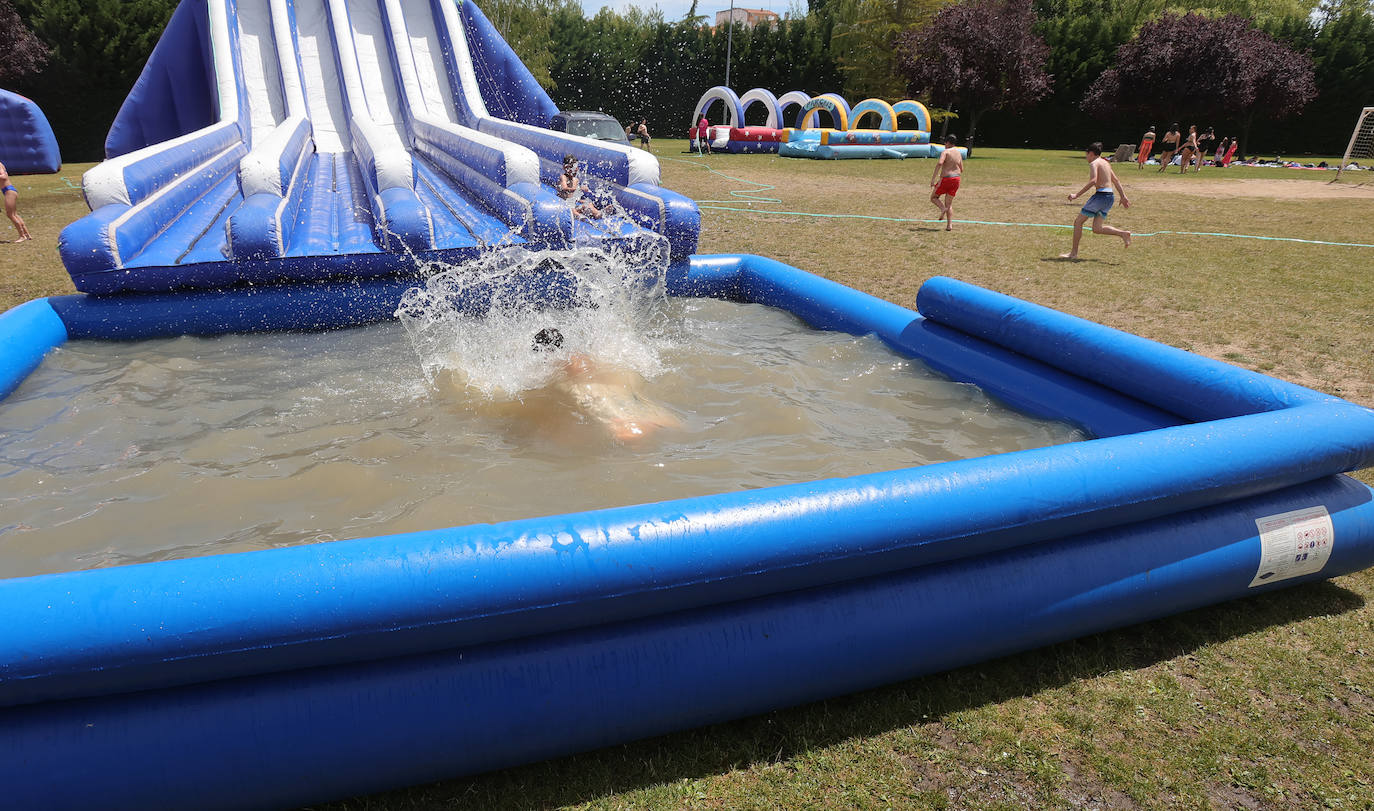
{"type": "Point", "coordinates": [572, 189]}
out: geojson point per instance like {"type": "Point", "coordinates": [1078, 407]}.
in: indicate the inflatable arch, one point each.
{"type": "Point", "coordinates": [765, 97]}
{"type": "Point", "coordinates": [734, 109]}
{"type": "Point", "coordinates": [912, 107]}
{"type": "Point", "coordinates": [27, 143]}
{"type": "Point", "coordinates": [795, 98]}
{"type": "Point", "coordinates": [831, 103]}
{"type": "Point", "coordinates": [886, 115]}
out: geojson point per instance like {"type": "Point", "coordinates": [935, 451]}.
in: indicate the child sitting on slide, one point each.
{"type": "Point", "coordinates": [572, 189]}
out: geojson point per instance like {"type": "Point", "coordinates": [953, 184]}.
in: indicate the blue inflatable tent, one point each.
{"type": "Point", "coordinates": [27, 143]}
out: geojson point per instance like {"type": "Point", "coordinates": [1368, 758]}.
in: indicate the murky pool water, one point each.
{"type": "Point", "coordinates": [117, 453]}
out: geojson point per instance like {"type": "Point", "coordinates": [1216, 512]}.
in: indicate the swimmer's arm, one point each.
{"type": "Point", "coordinates": [1092, 181]}
{"type": "Point", "coordinates": [939, 164]}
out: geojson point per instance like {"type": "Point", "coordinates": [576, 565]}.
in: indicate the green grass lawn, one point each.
{"type": "Point", "coordinates": [1266, 702]}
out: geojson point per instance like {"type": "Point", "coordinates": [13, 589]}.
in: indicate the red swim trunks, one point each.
{"type": "Point", "coordinates": [948, 185]}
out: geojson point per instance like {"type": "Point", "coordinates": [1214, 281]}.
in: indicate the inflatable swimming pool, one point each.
{"type": "Point", "coordinates": [300, 674]}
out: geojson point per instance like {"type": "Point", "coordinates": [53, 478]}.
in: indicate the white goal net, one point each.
{"type": "Point", "coordinates": [1361, 149]}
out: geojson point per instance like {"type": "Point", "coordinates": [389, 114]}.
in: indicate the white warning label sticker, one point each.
{"type": "Point", "coordinates": [1293, 544]}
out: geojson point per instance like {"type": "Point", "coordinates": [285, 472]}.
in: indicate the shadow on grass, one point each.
{"type": "Point", "coordinates": [783, 734]}
{"type": "Point", "coordinates": [1067, 261]}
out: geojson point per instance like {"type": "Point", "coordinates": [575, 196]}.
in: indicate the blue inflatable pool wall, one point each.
{"type": "Point", "coordinates": [302, 674]}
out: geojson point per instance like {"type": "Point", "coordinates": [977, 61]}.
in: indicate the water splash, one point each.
{"type": "Point", "coordinates": [475, 321]}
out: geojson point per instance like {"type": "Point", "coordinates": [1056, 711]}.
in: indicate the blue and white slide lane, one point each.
{"type": "Point", "coordinates": [286, 140]}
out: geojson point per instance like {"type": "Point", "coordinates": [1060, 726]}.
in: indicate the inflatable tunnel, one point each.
{"type": "Point", "coordinates": [294, 140]}
{"type": "Point", "coordinates": [27, 143]}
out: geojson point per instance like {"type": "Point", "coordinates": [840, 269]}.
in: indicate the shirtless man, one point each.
{"type": "Point", "coordinates": [1102, 178]}
{"type": "Point", "coordinates": [572, 189]}
{"type": "Point", "coordinates": [945, 181]}
{"type": "Point", "coordinates": [12, 204]}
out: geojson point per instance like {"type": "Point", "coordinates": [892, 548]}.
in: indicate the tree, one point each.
{"type": "Point", "coordinates": [1248, 72]}
{"type": "Point", "coordinates": [977, 56]}
{"type": "Point", "coordinates": [98, 50]}
{"type": "Point", "coordinates": [25, 53]}
{"type": "Point", "coordinates": [862, 39]}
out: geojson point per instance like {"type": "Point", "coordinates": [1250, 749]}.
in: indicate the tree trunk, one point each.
{"type": "Point", "coordinates": [972, 129]}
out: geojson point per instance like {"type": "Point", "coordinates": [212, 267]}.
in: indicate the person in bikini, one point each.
{"type": "Point", "coordinates": [945, 181]}
{"type": "Point", "coordinates": [1169, 146]}
{"type": "Point", "coordinates": [572, 189]}
{"type": "Point", "coordinates": [1189, 150]}
{"type": "Point", "coordinates": [610, 396]}
{"type": "Point", "coordinates": [12, 205]}
{"type": "Point", "coordinates": [1102, 178]}
{"type": "Point", "coordinates": [1205, 142]}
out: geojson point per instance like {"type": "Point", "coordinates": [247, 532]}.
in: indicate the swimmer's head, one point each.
{"type": "Point", "coordinates": [951, 139]}
{"type": "Point", "coordinates": [547, 340]}
{"type": "Point", "coordinates": [569, 163]}
{"type": "Point", "coordinates": [1095, 149]}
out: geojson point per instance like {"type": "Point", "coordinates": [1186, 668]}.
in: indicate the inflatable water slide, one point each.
{"type": "Point", "coordinates": [27, 143]}
{"type": "Point", "coordinates": [844, 139]}
{"type": "Point", "coordinates": [292, 140]}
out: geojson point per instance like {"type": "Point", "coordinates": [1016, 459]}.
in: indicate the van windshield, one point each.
{"type": "Point", "coordinates": [604, 129]}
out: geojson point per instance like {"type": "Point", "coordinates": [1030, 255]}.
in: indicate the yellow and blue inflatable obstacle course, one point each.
{"type": "Point", "coordinates": [844, 139]}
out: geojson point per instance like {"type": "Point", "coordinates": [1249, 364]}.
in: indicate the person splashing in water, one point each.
{"type": "Point", "coordinates": [610, 396]}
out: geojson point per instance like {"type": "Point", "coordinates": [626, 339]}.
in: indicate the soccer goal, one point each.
{"type": "Point", "coordinates": [1361, 143]}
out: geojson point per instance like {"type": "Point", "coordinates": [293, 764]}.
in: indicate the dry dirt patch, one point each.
{"type": "Point", "coordinates": [1259, 187]}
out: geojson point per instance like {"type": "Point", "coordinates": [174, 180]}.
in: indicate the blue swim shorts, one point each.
{"type": "Point", "coordinates": [1099, 204]}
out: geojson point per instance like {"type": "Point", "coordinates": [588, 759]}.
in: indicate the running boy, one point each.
{"type": "Point", "coordinates": [945, 181]}
{"type": "Point", "coordinates": [1104, 180]}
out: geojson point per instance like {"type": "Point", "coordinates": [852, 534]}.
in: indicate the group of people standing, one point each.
{"type": "Point", "coordinates": [1192, 150]}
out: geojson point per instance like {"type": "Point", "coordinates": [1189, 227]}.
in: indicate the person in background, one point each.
{"type": "Point", "coordinates": [1189, 150]}
{"type": "Point", "coordinates": [1221, 150]}
{"type": "Point", "coordinates": [1205, 142]}
{"type": "Point", "coordinates": [945, 181]}
{"type": "Point", "coordinates": [704, 135]}
{"type": "Point", "coordinates": [643, 130]}
{"type": "Point", "coordinates": [12, 205]}
{"type": "Point", "coordinates": [1168, 146]}
{"type": "Point", "coordinates": [1147, 145]}
{"type": "Point", "coordinates": [1104, 180]}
